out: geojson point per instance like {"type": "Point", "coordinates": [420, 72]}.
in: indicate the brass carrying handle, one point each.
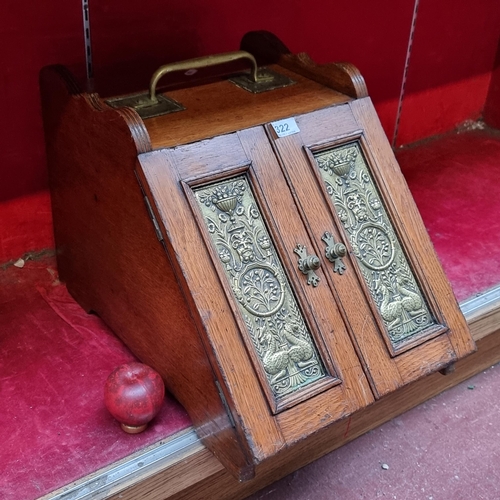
{"type": "Point", "coordinates": [200, 62]}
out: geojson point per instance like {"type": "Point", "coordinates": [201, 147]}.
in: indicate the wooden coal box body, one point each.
{"type": "Point", "coordinates": [262, 251]}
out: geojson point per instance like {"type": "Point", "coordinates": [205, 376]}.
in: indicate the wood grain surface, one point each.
{"type": "Point", "coordinates": [165, 293]}
{"type": "Point", "coordinates": [112, 262]}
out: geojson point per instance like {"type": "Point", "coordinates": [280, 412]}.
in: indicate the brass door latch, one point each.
{"type": "Point", "coordinates": [334, 252]}
{"type": "Point", "coordinates": [308, 264]}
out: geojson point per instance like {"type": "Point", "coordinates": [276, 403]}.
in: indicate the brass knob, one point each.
{"type": "Point", "coordinates": [334, 252]}
{"type": "Point", "coordinates": [308, 264]}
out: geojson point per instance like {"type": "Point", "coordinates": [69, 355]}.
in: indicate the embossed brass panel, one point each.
{"type": "Point", "coordinates": [381, 259]}
{"type": "Point", "coordinates": [277, 330]}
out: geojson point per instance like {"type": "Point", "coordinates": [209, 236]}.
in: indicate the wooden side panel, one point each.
{"type": "Point", "coordinates": [112, 261]}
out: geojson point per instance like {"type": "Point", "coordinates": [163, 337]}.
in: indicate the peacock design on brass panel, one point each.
{"type": "Point", "coordinates": [381, 259]}
{"type": "Point", "coordinates": [275, 324]}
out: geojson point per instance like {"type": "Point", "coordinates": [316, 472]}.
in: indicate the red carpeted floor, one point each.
{"type": "Point", "coordinates": [54, 361]}
{"type": "Point", "coordinates": [455, 181]}
{"type": "Point", "coordinates": [445, 449]}
{"type": "Point", "coordinates": [55, 358]}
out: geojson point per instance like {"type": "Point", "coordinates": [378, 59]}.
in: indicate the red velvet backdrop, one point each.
{"type": "Point", "coordinates": [31, 36]}
{"type": "Point", "coordinates": [454, 48]}
{"type": "Point", "coordinates": [450, 67]}
{"type": "Point", "coordinates": [492, 108]}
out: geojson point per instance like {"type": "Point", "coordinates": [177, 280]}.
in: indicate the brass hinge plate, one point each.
{"type": "Point", "coordinates": [267, 79]}
{"type": "Point", "coordinates": [224, 403]}
{"type": "Point", "coordinates": [153, 219]}
{"type": "Point", "coordinates": [144, 106]}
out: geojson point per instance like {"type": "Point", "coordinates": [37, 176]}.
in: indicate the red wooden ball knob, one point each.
{"type": "Point", "coordinates": [133, 394]}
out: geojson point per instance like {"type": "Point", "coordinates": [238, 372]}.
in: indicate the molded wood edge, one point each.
{"type": "Point", "coordinates": [269, 49]}
{"type": "Point", "coordinates": [68, 87]}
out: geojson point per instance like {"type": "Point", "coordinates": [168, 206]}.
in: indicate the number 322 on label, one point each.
{"type": "Point", "coordinates": [285, 127]}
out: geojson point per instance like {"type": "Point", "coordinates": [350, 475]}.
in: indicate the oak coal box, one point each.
{"type": "Point", "coordinates": [251, 238]}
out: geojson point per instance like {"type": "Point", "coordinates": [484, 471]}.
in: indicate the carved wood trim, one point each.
{"type": "Point", "coordinates": [73, 89]}
{"type": "Point", "coordinates": [269, 49]}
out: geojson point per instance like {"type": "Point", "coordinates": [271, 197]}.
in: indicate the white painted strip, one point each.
{"type": "Point", "coordinates": [484, 302]}
{"type": "Point", "coordinates": [86, 37]}
{"type": "Point", "coordinates": [405, 71]}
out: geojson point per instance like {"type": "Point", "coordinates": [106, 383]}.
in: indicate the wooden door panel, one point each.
{"type": "Point", "coordinates": [211, 310]}
{"type": "Point", "coordinates": [364, 305]}
{"type": "Point", "coordinates": [364, 329]}
{"type": "Point", "coordinates": [182, 181]}
{"type": "Point", "coordinates": [436, 286]}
